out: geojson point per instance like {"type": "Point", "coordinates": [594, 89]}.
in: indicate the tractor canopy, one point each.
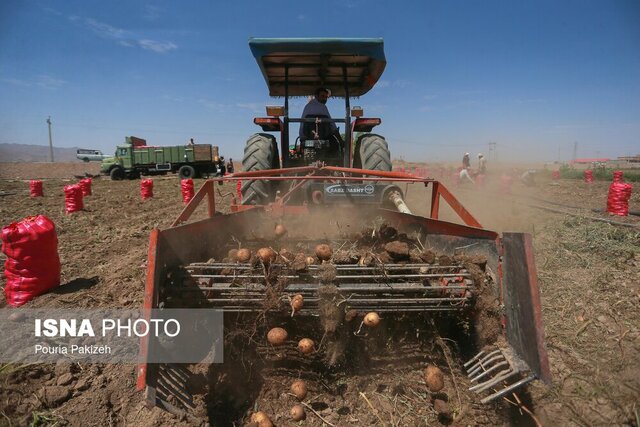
{"type": "Point", "coordinates": [309, 63]}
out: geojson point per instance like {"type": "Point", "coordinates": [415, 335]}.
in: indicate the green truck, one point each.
{"type": "Point", "coordinates": [135, 158]}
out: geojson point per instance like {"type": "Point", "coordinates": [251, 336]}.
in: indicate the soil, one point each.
{"type": "Point", "coordinates": [587, 271]}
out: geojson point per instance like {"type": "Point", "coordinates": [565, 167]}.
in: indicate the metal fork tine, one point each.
{"type": "Point", "coordinates": [486, 364]}
{"type": "Point", "coordinates": [474, 358]}
{"type": "Point", "coordinates": [488, 371]}
{"type": "Point", "coordinates": [481, 361]}
{"type": "Point", "coordinates": [507, 390]}
{"type": "Point", "coordinates": [497, 379]}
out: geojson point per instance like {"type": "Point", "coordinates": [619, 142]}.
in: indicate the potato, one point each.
{"type": "Point", "coordinates": [261, 419]}
{"type": "Point", "coordinates": [280, 230]}
{"type": "Point", "coordinates": [324, 252]}
{"type": "Point", "coordinates": [299, 389]}
{"type": "Point", "coordinates": [372, 319]}
{"type": "Point", "coordinates": [310, 260]}
{"type": "Point", "coordinates": [277, 336]}
{"type": "Point", "coordinates": [267, 255]}
{"type": "Point", "coordinates": [297, 302]}
{"type": "Point", "coordinates": [297, 413]}
{"type": "Point", "coordinates": [434, 378]}
{"type": "Point", "coordinates": [233, 255]}
{"type": "Point", "coordinates": [306, 345]}
{"type": "Point", "coordinates": [244, 255]}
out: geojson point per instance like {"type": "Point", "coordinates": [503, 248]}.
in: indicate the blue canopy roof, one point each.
{"type": "Point", "coordinates": [319, 62]}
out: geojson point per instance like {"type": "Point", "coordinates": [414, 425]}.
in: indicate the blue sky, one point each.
{"type": "Point", "coordinates": [532, 77]}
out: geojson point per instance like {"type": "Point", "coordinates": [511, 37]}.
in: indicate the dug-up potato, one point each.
{"type": "Point", "coordinates": [306, 345]}
{"type": "Point", "coordinates": [261, 419]}
{"type": "Point", "coordinates": [297, 413]}
{"type": "Point", "coordinates": [297, 302]}
{"type": "Point", "coordinates": [434, 378]}
{"type": "Point", "coordinates": [243, 255]}
{"type": "Point", "coordinates": [277, 336]}
{"type": "Point", "coordinates": [324, 252]}
{"type": "Point", "coordinates": [299, 389]}
{"type": "Point", "coordinates": [267, 255]}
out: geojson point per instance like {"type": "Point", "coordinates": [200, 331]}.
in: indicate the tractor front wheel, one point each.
{"type": "Point", "coordinates": [260, 153]}
{"type": "Point", "coordinates": [372, 153]}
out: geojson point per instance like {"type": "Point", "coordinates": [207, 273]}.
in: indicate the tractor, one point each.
{"type": "Point", "coordinates": [328, 195]}
{"type": "Point", "coordinates": [297, 68]}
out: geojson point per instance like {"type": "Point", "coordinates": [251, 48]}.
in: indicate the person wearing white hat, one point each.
{"type": "Point", "coordinates": [466, 161]}
{"type": "Point", "coordinates": [482, 164]}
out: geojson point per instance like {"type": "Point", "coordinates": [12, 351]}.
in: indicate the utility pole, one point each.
{"type": "Point", "coordinates": [50, 141]}
{"type": "Point", "coordinates": [575, 151]}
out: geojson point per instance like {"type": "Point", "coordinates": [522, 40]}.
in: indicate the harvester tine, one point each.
{"type": "Point", "coordinates": [483, 365]}
{"type": "Point", "coordinates": [488, 371]}
{"type": "Point", "coordinates": [501, 376]}
{"type": "Point", "coordinates": [473, 359]}
{"type": "Point", "coordinates": [480, 362]}
{"type": "Point", "coordinates": [508, 389]}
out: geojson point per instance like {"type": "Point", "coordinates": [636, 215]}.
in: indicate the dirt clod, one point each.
{"type": "Point", "coordinates": [442, 407]}
{"type": "Point", "coordinates": [445, 260]}
{"type": "Point", "coordinates": [65, 379]}
{"type": "Point", "coordinates": [428, 257]}
{"type": "Point", "coordinates": [299, 263]}
{"type": "Point", "coordinates": [53, 396]}
{"type": "Point", "coordinates": [398, 251]}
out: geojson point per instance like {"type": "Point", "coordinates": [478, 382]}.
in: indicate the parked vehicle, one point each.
{"type": "Point", "coordinates": [135, 158]}
{"type": "Point", "coordinates": [88, 155]}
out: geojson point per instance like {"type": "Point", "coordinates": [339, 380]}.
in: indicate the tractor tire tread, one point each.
{"type": "Point", "coordinates": [372, 153]}
{"type": "Point", "coordinates": [260, 153]}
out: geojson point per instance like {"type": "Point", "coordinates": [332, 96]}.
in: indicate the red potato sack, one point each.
{"type": "Point", "coordinates": [32, 266]}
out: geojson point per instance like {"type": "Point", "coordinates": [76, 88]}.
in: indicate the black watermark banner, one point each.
{"type": "Point", "coordinates": [111, 335]}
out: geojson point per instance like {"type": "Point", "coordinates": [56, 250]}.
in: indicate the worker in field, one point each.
{"type": "Point", "coordinates": [465, 176]}
{"type": "Point", "coordinates": [222, 166]}
{"type": "Point", "coordinates": [317, 107]}
{"type": "Point", "coordinates": [230, 165]}
{"type": "Point", "coordinates": [528, 178]}
{"type": "Point", "coordinates": [482, 164]}
{"type": "Point", "coordinates": [466, 161]}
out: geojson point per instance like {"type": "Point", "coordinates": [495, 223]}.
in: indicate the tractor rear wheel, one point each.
{"type": "Point", "coordinates": [117, 173]}
{"type": "Point", "coordinates": [372, 153]}
{"type": "Point", "coordinates": [186, 172]}
{"type": "Point", "coordinates": [260, 153]}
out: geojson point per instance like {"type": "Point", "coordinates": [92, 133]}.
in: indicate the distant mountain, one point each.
{"type": "Point", "coordinates": [35, 153]}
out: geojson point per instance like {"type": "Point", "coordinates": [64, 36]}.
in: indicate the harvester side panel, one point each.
{"type": "Point", "coordinates": [524, 328]}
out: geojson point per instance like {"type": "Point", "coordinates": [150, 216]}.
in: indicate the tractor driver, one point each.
{"type": "Point", "coordinates": [317, 107]}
